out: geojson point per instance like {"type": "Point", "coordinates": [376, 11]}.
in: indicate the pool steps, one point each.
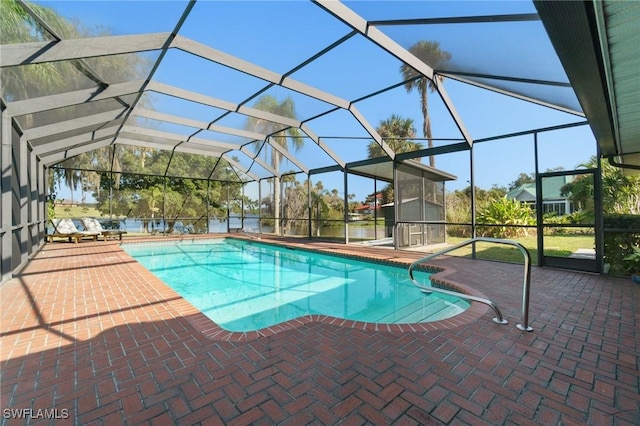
{"type": "Point", "coordinates": [499, 318]}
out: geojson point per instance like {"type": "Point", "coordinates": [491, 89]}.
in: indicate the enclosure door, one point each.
{"type": "Point", "coordinates": [566, 214]}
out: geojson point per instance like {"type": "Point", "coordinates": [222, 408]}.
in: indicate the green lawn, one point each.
{"type": "Point", "coordinates": [556, 245]}
{"type": "Point", "coordinates": [76, 211]}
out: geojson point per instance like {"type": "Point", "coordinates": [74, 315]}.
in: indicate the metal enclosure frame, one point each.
{"type": "Point", "coordinates": [28, 152]}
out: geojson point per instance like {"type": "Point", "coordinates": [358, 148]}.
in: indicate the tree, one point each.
{"type": "Point", "coordinates": [153, 197]}
{"type": "Point", "coordinates": [396, 132]}
{"type": "Point", "coordinates": [387, 195]}
{"type": "Point", "coordinates": [319, 206]}
{"type": "Point", "coordinates": [430, 53]}
{"type": "Point", "coordinates": [17, 26]}
{"type": "Point", "coordinates": [23, 82]}
{"type": "Point", "coordinates": [284, 137]}
{"type": "Point", "coordinates": [620, 192]}
{"type": "Point", "coordinates": [530, 178]}
{"type": "Point", "coordinates": [296, 203]}
{"type": "Point", "coordinates": [522, 179]}
{"type": "Point", "coordinates": [36, 80]}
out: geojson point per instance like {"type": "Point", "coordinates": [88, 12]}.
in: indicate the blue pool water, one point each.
{"type": "Point", "coordinates": [246, 286]}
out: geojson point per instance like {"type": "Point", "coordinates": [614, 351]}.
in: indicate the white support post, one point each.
{"type": "Point", "coordinates": [33, 202]}
{"type": "Point", "coordinates": [5, 194]}
{"type": "Point", "coordinates": [43, 206]}
{"type": "Point", "coordinates": [346, 206]}
{"type": "Point", "coordinates": [23, 181]}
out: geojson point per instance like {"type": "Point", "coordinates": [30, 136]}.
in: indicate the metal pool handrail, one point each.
{"type": "Point", "coordinates": [525, 290]}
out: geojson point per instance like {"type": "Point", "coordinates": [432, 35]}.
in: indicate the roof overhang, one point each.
{"type": "Point", "coordinates": [597, 43]}
{"type": "Point", "coordinates": [382, 168]}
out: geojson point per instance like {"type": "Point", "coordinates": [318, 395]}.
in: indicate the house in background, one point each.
{"type": "Point", "coordinates": [371, 204]}
{"type": "Point", "coordinates": [360, 212]}
{"type": "Point", "coordinates": [553, 201]}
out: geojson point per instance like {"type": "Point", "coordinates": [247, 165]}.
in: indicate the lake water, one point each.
{"type": "Point", "coordinates": [251, 223]}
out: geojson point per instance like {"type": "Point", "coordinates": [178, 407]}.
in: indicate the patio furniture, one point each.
{"type": "Point", "coordinates": [93, 225]}
{"type": "Point", "coordinates": [65, 228]}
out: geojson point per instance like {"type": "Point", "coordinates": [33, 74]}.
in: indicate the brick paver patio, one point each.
{"type": "Point", "coordinates": [86, 330]}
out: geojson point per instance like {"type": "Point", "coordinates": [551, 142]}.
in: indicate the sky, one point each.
{"type": "Point", "coordinates": [280, 35]}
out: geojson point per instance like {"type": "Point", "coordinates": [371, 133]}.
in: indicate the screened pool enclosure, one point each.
{"type": "Point", "coordinates": [348, 121]}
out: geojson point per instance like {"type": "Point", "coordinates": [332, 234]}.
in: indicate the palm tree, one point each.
{"type": "Point", "coordinates": [23, 82]}
{"type": "Point", "coordinates": [318, 204]}
{"type": "Point", "coordinates": [396, 132]}
{"type": "Point", "coordinates": [430, 53]}
{"type": "Point", "coordinates": [620, 191]}
{"type": "Point", "coordinates": [17, 26]}
{"type": "Point", "coordinates": [288, 137]}
{"type": "Point", "coordinates": [35, 80]}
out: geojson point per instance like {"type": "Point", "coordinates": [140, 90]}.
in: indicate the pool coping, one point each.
{"type": "Point", "coordinates": [211, 330]}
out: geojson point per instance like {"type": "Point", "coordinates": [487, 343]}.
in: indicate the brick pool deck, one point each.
{"type": "Point", "coordinates": [86, 330]}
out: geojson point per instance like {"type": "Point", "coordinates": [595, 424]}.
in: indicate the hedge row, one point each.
{"type": "Point", "coordinates": [621, 234]}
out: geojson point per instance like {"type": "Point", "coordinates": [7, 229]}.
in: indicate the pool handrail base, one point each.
{"type": "Point", "coordinates": [499, 319]}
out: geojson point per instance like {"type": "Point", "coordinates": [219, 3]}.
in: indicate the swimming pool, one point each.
{"type": "Point", "coordinates": [247, 286]}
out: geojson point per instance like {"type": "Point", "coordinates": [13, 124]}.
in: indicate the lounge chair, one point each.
{"type": "Point", "coordinates": [65, 228]}
{"type": "Point", "coordinates": [91, 224]}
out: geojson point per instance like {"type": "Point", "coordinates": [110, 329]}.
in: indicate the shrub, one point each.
{"type": "Point", "coordinates": [576, 218]}
{"type": "Point", "coordinates": [461, 231]}
{"type": "Point", "coordinates": [508, 215]}
{"type": "Point", "coordinates": [622, 234]}
{"type": "Point", "coordinates": [632, 261]}
{"type": "Point", "coordinates": [553, 219]}
{"type": "Point", "coordinates": [51, 209]}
